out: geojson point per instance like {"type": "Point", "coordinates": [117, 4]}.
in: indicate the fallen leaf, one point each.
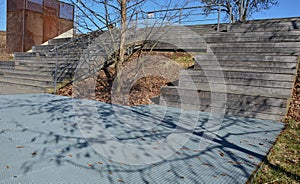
{"type": "Point", "coordinates": [34, 153]}
{"type": "Point", "coordinates": [184, 149]}
{"type": "Point", "coordinates": [19, 147]}
{"type": "Point", "coordinates": [236, 163]}
{"type": "Point", "coordinates": [210, 165]}
{"type": "Point", "coordinates": [121, 181]}
{"type": "Point", "coordinates": [99, 163]}
{"type": "Point", "coordinates": [90, 165]}
{"type": "Point", "coordinates": [7, 166]}
{"type": "Point", "coordinates": [221, 153]}
{"type": "Point", "coordinates": [277, 162]}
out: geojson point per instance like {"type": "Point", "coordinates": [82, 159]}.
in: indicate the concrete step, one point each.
{"type": "Point", "coordinates": [185, 81]}
{"type": "Point", "coordinates": [49, 60]}
{"type": "Point", "coordinates": [7, 64]}
{"type": "Point", "coordinates": [35, 74]}
{"type": "Point", "coordinates": [242, 104]}
{"type": "Point", "coordinates": [242, 88]}
{"type": "Point", "coordinates": [256, 45]}
{"type": "Point", "coordinates": [27, 55]}
{"type": "Point", "coordinates": [251, 75]}
{"type": "Point", "coordinates": [206, 28]}
{"type": "Point", "coordinates": [186, 46]}
{"type": "Point", "coordinates": [59, 41]}
{"type": "Point", "coordinates": [224, 64]}
{"type": "Point", "coordinates": [245, 68]}
{"type": "Point", "coordinates": [257, 37]}
{"type": "Point", "coordinates": [46, 69]}
{"type": "Point", "coordinates": [218, 92]}
{"type": "Point", "coordinates": [26, 80]}
{"type": "Point", "coordinates": [22, 72]}
{"type": "Point", "coordinates": [279, 48]}
{"type": "Point", "coordinates": [206, 104]}
{"type": "Point", "coordinates": [42, 48]}
{"type": "Point", "coordinates": [51, 55]}
{"type": "Point", "coordinates": [254, 98]}
{"type": "Point", "coordinates": [258, 51]}
{"type": "Point", "coordinates": [245, 58]}
{"type": "Point", "coordinates": [266, 25]}
{"type": "Point", "coordinates": [22, 85]}
{"type": "Point", "coordinates": [232, 112]}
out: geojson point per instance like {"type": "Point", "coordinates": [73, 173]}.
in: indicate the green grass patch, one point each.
{"type": "Point", "coordinates": [283, 162]}
{"type": "Point", "coordinates": [184, 61]}
{"type": "Point", "coordinates": [59, 85]}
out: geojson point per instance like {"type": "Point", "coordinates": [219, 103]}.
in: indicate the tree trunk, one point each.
{"type": "Point", "coordinates": [120, 60]}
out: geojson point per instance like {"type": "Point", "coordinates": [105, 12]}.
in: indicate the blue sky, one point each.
{"type": "Point", "coordinates": [286, 8]}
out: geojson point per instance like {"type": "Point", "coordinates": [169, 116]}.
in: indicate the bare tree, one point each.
{"type": "Point", "coordinates": [238, 10]}
{"type": "Point", "coordinates": [123, 15]}
{"type": "Point", "coordinates": [118, 63]}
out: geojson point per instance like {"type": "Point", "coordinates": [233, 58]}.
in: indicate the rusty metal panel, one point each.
{"type": "Point", "coordinates": [13, 5]}
{"type": "Point", "coordinates": [33, 29]}
{"type": "Point", "coordinates": [32, 22]}
{"type": "Point", "coordinates": [50, 27]}
{"type": "Point", "coordinates": [14, 31]}
{"type": "Point", "coordinates": [51, 4]}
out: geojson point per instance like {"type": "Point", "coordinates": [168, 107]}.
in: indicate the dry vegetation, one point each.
{"type": "Point", "coordinates": [5, 57]}
{"type": "Point", "coordinates": [283, 162]}
{"type": "Point", "coordinates": [157, 70]}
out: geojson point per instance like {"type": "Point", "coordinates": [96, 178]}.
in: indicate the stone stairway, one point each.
{"type": "Point", "coordinates": [248, 71]}
{"type": "Point", "coordinates": [35, 69]}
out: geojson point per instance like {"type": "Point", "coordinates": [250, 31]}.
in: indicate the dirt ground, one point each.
{"type": "Point", "coordinates": [141, 80]}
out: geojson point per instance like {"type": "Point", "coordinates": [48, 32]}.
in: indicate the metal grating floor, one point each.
{"type": "Point", "coordinates": [50, 139]}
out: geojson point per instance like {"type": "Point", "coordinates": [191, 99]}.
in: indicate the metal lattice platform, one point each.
{"type": "Point", "coordinates": [43, 140]}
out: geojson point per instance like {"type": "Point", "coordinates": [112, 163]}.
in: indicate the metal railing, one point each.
{"type": "Point", "coordinates": [182, 16]}
{"type": "Point", "coordinates": [142, 19]}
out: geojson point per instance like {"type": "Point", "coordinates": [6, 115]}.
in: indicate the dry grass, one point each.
{"type": "Point", "coordinates": [283, 162]}
{"type": "Point", "coordinates": [5, 56]}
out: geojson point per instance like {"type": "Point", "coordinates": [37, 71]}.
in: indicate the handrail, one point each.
{"type": "Point", "coordinates": [181, 15]}
{"type": "Point", "coordinates": [101, 30]}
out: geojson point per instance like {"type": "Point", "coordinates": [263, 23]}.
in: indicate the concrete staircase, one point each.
{"type": "Point", "coordinates": [36, 69]}
{"type": "Point", "coordinates": [248, 71]}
